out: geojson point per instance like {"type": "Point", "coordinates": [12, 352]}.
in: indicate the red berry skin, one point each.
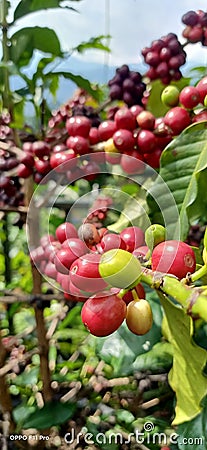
{"type": "Point", "coordinates": [65, 231]}
{"type": "Point", "coordinates": [106, 130]}
{"type": "Point", "coordinates": [42, 166]}
{"type": "Point", "coordinates": [84, 273]}
{"type": "Point", "coordinates": [200, 117]}
{"type": "Point", "coordinates": [50, 270]}
{"type": "Point", "coordinates": [79, 144]}
{"type": "Point", "coordinates": [136, 110]}
{"type": "Point", "coordinates": [146, 120]}
{"type": "Point", "coordinates": [146, 141]}
{"type": "Point", "coordinates": [140, 251]}
{"type": "Point", "coordinates": [123, 140]}
{"type": "Point", "coordinates": [24, 171]}
{"type": "Point", "coordinates": [93, 136]}
{"type": "Point", "coordinates": [63, 161]}
{"type": "Point", "coordinates": [70, 251]}
{"type": "Point", "coordinates": [27, 160]}
{"type": "Point", "coordinates": [189, 97]}
{"type": "Point", "coordinates": [174, 257]}
{"type": "Point", "coordinates": [132, 163]}
{"type": "Point", "coordinates": [153, 159]}
{"type": "Point", "coordinates": [112, 240]}
{"type": "Point", "coordinates": [125, 119]}
{"type": "Point", "coordinates": [78, 126]}
{"type": "Point", "coordinates": [128, 297]}
{"type": "Point", "coordinates": [40, 149]}
{"type": "Point", "coordinates": [202, 88]}
{"type": "Point", "coordinates": [177, 119]}
{"type": "Point", "coordinates": [133, 238]}
{"type": "Point", "coordinates": [103, 313]}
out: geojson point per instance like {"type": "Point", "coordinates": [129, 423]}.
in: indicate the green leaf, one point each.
{"type": "Point", "coordinates": [158, 359]}
{"type": "Point", "coordinates": [134, 211]}
{"type": "Point", "coordinates": [81, 82]}
{"type": "Point", "coordinates": [94, 42]}
{"type": "Point", "coordinates": [52, 414]}
{"type": "Point", "coordinates": [22, 412]}
{"type": "Point", "coordinates": [124, 416]}
{"type": "Point", "coordinates": [27, 378]}
{"type": "Point", "coordinates": [183, 170]}
{"type": "Point", "coordinates": [26, 40]}
{"type": "Point", "coordinates": [122, 347]}
{"type": "Point", "coordinates": [195, 430]}
{"type": "Point", "coordinates": [186, 376]}
{"type": "Point", "coordinates": [26, 7]}
{"type": "Point", "coordinates": [154, 103]}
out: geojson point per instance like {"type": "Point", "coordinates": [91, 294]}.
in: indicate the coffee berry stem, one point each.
{"type": "Point", "coordinates": [198, 274]}
{"type": "Point", "coordinates": [183, 294]}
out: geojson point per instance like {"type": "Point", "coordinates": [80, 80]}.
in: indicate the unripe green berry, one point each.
{"type": "Point", "coordinates": [154, 235]}
{"type": "Point", "coordinates": [205, 101]}
{"type": "Point", "coordinates": [120, 268]}
{"type": "Point", "coordinates": [170, 96]}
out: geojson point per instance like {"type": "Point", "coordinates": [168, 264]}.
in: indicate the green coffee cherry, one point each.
{"type": "Point", "coordinates": [205, 247]}
{"type": "Point", "coordinates": [120, 268]}
{"type": "Point", "coordinates": [154, 235]}
{"type": "Point", "coordinates": [170, 96]}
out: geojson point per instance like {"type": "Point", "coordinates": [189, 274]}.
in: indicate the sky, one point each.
{"type": "Point", "coordinates": [132, 24]}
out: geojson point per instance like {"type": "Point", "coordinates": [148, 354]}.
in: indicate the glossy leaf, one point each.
{"type": "Point", "coordinates": [94, 42]}
{"type": "Point", "coordinates": [183, 170]}
{"type": "Point", "coordinates": [26, 7]}
{"type": "Point", "coordinates": [52, 414]}
{"type": "Point", "coordinates": [122, 347]}
{"type": "Point", "coordinates": [194, 431]}
{"type": "Point", "coordinates": [158, 359]}
{"type": "Point", "coordinates": [186, 376]}
{"type": "Point", "coordinates": [81, 82]}
{"type": "Point", "coordinates": [26, 40]}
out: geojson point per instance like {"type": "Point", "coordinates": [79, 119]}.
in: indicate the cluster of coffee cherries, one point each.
{"type": "Point", "coordinates": [103, 270]}
{"type": "Point", "coordinates": [165, 56]}
{"type": "Point", "coordinates": [196, 27]}
{"type": "Point", "coordinates": [186, 106]}
{"type": "Point", "coordinates": [127, 85]}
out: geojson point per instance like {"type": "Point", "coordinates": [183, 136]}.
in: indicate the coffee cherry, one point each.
{"type": "Point", "coordinates": [106, 130]}
{"type": "Point", "coordinates": [78, 126]}
{"type": "Point", "coordinates": [146, 120]}
{"type": "Point", "coordinates": [174, 257]}
{"type": "Point", "coordinates": [170, 96]}
{"type": "Point", "coordinates": [112, 240]}
{"type": "Point", "coordinates": [103, 313]}
{"type": "Point", "coordinates": [41, 149]}
{"type": "Point", "coordinates": [139, 317]}
{"type": "Point", "coordinates": [189, 97]}
{"type": "Point", "coordinates": [133, 163]}
{"type": "Point", "coordinates": [154, 235]}
{"type": "Point", "coordinates": [65, 231]}
{"type": "Point", "coordinates": [124, 140]}
{"type": "Point", "coordinates": [125, 119]}
{"type": "Point", "coordinates": [128, 297]}
{"type": "Point", "coordinates": [63, 161]}
{"type": "Point", "coordinates": [202, 88]}
{"type": "Point", "coordinates": [177, 119]}
{"type": "Point", "coordinates": [133, 237]}
{"type": "Point", "coordinates": [89, 234]}
{"type": "Point", "coordinates": [70, 251]}
{"type": "Point", "coordinates": [146, 141]}
{"type": "Point", "coordinates": [119, 268]}
{"type": "Point", "coordinates": [84, 273]}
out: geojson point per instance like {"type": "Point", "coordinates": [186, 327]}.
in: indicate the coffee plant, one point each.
{"type": "Point", "coordinates": [103, 252]}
